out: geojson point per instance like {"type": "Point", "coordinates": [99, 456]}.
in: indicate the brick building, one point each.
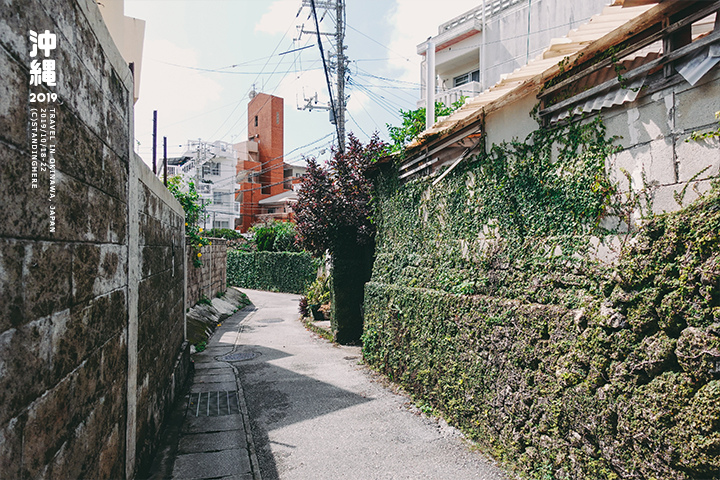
{"type": "Point", "coordinates": [261, 171]}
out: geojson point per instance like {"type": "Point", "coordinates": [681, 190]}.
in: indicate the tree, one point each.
{"type": "Point", "coordinates": [274, 236]}
{"type": "Point", "coordinates": [414, 123]}
{"type": "Point", "coordinates": [333, 214]}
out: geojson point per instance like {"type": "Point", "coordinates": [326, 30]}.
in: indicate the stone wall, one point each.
{"type": "Point", "coordinates": [211, 278]}
{"type": "Point", "coordinates": [162, 360]}
{"type": "Point", "coordinates": [559, 365]}
{"type": "Point", "coordinates": [91, 278]}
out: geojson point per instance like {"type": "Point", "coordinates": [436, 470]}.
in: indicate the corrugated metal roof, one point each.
{"type": "Point", "coordinates": [694, 68]}
{"type": "Point", "coordinates": [538, 70]}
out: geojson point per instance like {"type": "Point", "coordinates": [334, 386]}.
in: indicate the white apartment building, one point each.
{"type": "Point", "coordinates": [212, 167]}
{"type": "Point", "coordinates": [473, 50]}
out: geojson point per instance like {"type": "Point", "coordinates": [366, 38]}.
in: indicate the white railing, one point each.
{"type": "Point", "coordinates": [491, 8]}
{"type": "Point", "coordinates": [448, 97]}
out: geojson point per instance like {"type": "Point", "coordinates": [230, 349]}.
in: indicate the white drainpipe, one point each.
{"type": "Point", "coordinates": [430, 101]}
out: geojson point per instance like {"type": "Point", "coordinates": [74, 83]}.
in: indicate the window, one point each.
{"type": "Point", "coordinates": [473, 76]}
{"type": "Point", "coordinates": [256, 120]}
{"type": "Point", "coordinates": [221, 224]}
{"type": "Point", "coordinates": [277, 118]}
{"type": "Point", "coordinates": [211, 169]}
{"type": "Point", "coordinates": [218, 198]}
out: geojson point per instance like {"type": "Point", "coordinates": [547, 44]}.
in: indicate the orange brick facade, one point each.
{"type": "Point", "coordinates": [261, 168]}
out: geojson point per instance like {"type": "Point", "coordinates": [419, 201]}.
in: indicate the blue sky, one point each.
{"type": "Point", "coordinates": [202, 57]}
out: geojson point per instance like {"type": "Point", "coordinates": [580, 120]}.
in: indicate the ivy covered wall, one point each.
{"type": "Point", "coordinates": [289, 272]}
{"type": "Point", "coordinates": [486, 304]}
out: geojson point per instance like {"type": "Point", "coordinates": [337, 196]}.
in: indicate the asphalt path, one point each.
{"type": "Point", "coordinates": [316, 412]}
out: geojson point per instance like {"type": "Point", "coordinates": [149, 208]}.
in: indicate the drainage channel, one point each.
{"type": "Point", "coordinates": [213, 404]}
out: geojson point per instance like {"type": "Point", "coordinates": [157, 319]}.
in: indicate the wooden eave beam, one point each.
{"type": "Point", "coordinates": [715, 6]}
{"type": "Point", "coordinates": [635, 73]}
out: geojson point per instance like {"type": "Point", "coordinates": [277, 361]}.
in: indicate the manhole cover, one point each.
{"type": "Point", "coordinates": [271, 320]}
{"type": "Point", "coordinates": [239, 357]}
{"type": "Point", "coordinates": [213, 404]}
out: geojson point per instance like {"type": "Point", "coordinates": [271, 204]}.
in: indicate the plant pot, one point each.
{"type": "Point", "coordinates": [315, 311]}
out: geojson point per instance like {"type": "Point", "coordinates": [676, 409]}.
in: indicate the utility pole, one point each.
{"type": "Point", "coordinates": [154, 142]}
{"type": "Point", "coordinates": [340, 36]}
{"type": "Point", "coordinates": [165, 160]}
{"type": "Point", "coordinates": [338, 104]}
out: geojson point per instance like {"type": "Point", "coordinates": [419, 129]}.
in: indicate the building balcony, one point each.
{"type": "Point", "coordinates": [448, 97]}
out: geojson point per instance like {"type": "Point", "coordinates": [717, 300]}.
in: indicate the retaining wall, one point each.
{"type": "Point", "coordinates": [211, 278]}
{"type": "Point", "coordinates": [91, 279]}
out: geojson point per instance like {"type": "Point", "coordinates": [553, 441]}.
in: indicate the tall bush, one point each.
{"type": "Point", "coordinates": [275, 236]}
{"type": "Point", "coordinates": [333, 214]}
{"type": "Point", "coordinates": [188, 197]}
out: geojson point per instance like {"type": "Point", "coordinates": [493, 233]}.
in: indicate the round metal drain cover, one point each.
{"type": "Point", "coordinates": [271, 320]}
{"type": "Point", "coordinates": [240, 357]}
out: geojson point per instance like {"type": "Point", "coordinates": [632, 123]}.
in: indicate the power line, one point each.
{"type": "Point", "coordinates": [381, 44]}
{"type": "Point", "coordinates": [325, 68]}
{"type": "Point", "coordinates": [263, 69]}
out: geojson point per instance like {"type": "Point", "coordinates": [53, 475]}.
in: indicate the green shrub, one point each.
{"type": "Point", "coordinates": [288, 272]}
{"type": "Point", "coordinates": [225, 233]}
{"type": "Point", "coordinates": [318, 293]}
{"type": "Point", "coordinates": [275, 236]}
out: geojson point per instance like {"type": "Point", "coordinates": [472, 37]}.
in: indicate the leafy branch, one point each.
{"type": "Point", "coordinates": [191, 202]}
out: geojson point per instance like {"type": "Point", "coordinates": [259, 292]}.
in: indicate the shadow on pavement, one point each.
{"type": "Point", "coordinates": [277, 397]}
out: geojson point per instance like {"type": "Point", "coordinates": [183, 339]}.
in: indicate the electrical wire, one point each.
{"type": "Point", "coordinates": [325, 68]}
{"type": "Point", "coordinates": [381, 44]}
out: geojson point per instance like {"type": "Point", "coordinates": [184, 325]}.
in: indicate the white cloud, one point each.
{"type": "Point", "coordinates": [416, 20]}
{"type": "Point", "coordinates": [280, 14]}
{"type": "Point", "coordinates": [175, 92]}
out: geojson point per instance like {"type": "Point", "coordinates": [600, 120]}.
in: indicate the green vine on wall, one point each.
{"type": "Point", "coordinates": [190, 201]}
{"type": "Point", "coordinates": [507, 213]}
{"type": "Point", "coordinates": [552, 185]}
{"type": "Point", "coordinates": [697, 136]}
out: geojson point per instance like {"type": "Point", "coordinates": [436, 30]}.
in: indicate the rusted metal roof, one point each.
{"type": "Point", "coordinates": [615, 23]}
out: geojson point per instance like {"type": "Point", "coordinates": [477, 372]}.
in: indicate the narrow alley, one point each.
{"type": "Point", "coordinates": [314, 410]}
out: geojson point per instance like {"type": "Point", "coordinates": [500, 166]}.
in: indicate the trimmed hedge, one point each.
{"type": "Point", "coordinates": [287, 272]}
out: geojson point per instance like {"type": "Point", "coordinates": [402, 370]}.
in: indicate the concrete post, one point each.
{"type": "Point", "coordinates": [430, 102]}
{"type": "Point", "coordinates": [134, 274]}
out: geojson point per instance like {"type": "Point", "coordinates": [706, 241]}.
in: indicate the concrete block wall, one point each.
{"type": "Point", "coordinates": [211, 278]}
{"type": "Point", "coordinates": [655, 133]}
{"type": "Point", "coordinates": [80, 392]}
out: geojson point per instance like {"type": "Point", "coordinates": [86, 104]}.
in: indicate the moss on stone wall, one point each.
{"type": "Point", "coordinates": [559, 366]}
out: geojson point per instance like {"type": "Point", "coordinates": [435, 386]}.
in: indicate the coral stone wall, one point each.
{"type": "Point", "coordinates": [562, 366]}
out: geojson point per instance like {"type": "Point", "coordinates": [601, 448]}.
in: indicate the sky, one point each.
{"type": "Point", "coordinates": [201, 59]}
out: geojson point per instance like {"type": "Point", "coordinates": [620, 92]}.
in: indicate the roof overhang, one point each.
{"type": "Point", "coordinates": [616, 24]}
{"type": "Point", "coordinates": [453, 36]}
